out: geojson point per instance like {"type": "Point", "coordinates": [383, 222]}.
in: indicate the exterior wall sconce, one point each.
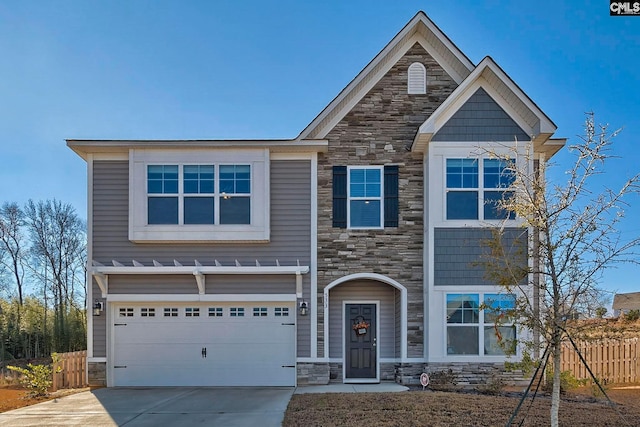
{"type": "Point", "coordinates": [304, 308]}
{"type": "Point", "coordinates": [97, 308]}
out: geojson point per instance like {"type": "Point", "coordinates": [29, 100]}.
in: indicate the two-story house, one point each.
{"type": "Point", "coordinates": [346, 254]}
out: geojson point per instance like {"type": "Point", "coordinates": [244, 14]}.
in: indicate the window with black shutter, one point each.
{"type": "Point", "coordinates": [365, 197]}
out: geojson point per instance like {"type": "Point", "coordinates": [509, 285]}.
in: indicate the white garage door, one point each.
{"type": "Point", "coordinates": [204, 344]}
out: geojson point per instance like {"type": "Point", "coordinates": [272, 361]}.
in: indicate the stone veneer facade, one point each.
{"type": "Point", "coordinates": [379, 130]}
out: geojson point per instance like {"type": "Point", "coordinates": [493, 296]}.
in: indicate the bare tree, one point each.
{"type": "Point", "coordinates": [12, 243]}
{"type": "Point", "coordinates": [573, 237]}
{"type": "Point", "coordinates": [58, 245]}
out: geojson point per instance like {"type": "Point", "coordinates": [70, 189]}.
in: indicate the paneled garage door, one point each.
{"type": "Point", "coordinates": [204, 344]}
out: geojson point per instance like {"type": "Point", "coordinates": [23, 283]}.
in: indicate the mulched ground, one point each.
{"type": "Point", "coordinates": [15, 396]}
{"type": "Point", "coordinates": [435, 408]}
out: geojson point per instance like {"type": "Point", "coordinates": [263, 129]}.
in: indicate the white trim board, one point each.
{"type": "Point", "coordinates": [379, 278]}
{"type": "Point", "coordinates": [201, 298]}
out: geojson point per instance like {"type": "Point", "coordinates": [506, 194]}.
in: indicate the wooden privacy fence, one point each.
{"type": "Point", "coordinates": [72, 372]}
{"type": "Point", "coordinates": [611, 361]}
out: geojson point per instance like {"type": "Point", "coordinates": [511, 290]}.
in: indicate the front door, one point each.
{"type": "Point", "coordinates": [360, 342]}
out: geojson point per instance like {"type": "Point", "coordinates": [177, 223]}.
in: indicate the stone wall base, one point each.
{"type": "Point", "coordinates": [460, 375]}
{"type": "Point", "coordinates": [313, 373]}
{"type": "Point", "coordinates": [97, 374]}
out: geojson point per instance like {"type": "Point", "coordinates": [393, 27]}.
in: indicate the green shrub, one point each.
{"type": "Point", "coordinates": [527, 365]}
{"type": "Point", "coordinates": [632, 315]}
{"type": "Point", "coordinates": [36, 378]}
{"type": "Point", "coordinates": [567, 381]}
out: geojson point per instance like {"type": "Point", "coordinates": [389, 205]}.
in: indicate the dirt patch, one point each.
{"type": "Point", "coordinates": [15, 396]}
{"type": "Point", "coordinates": [420, 408]}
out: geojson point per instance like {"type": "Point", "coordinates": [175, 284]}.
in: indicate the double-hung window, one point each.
{"type": "Point", "coordinates": [462, 189]}
{"type": "Point", "coordinates": [198, 194]}
{"type": "Point", "coordinates": [470, 329]}
{"type": "Point", "coordinates": [207, 195]}
{"type": "Point", "coordinates": [499, 334]}
{"type": "Point", "coordinates": [463, 318]}
{"type": "Point", "coordinates": [475, 188]}
{"type": "Point", "coordinates": [235, 194]}
{"type": "Point", "coordinates": [497, 177]}
{"type": "Point", "coordinates": [162, 188]}
{"type": "Point", "coordinates": [365, 197]}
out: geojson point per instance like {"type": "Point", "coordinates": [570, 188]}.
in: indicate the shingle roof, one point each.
{"type": "Point", "coordinates": [629, 301]}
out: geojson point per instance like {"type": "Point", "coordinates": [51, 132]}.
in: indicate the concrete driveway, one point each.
{"type": "Point", "coordinates": [159, 406]}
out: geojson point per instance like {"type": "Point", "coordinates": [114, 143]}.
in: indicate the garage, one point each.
{"type": "Point", "coordinates": [203, 344]}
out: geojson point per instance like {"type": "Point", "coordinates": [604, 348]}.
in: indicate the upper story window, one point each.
{"type": "Point", "coordinates": [187, 194]}
{"type": "Point", "coordinates": [199, 195]}
{"type": "Point", "coordinates": [475, 188]}
{"type": "Point", "coordinates": [235, 189]}
{"type": "Point", "coordinates": [416, 79]}
{"type": "Point", "coordinates": [365, 197]}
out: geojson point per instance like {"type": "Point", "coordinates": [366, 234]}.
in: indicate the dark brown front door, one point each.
{"type": "Point", "coordinates": [360, 342]}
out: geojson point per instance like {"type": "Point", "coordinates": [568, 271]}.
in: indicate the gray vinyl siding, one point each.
{"type": "Point", "coordinates": [290, 223]}
{"type": "Point", "coordinates": [481, 119]}
{"type": "Point", "coordinates": [388, 316]}
{"type": "Point", "coordinates": [289, 243]}
{"type": "Point", "coordinates": [214, 284]}
{"type": "Point", "coordinates": [158, 284]}
{"type": "Point", "coordinates": [266, 284]}
{"type": "Point", "coordinates": [458, 252]}
{"type": "Point", "coordinates": [99, 326]}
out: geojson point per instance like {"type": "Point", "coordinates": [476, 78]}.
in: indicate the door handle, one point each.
{"type": "Point", "coordinates": [374, 342]}
{"type": "Point", "coordinates": [204, 352]}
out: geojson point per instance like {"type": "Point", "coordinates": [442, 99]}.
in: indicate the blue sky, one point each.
{"type": "Point", "coordinates": [145, 69]}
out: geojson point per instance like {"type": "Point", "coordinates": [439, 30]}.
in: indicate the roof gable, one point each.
{"type": "Point", "coordinates": [480, 119]}
{"type": "Point", "coordinates": [419, 30]}
{"type": "Point", "coordinates": [499, 86]}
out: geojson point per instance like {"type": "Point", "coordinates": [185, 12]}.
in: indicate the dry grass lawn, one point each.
{"type": "Point", "coordinates": [434, 408]}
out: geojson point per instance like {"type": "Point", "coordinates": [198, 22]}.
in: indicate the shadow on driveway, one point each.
{"type": "Point", "coordinates": [159, 406]}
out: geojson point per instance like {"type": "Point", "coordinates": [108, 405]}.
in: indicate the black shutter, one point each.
{"type": "Point", "coordinates": [391, 196]}
{"type": "Point", "coordinates": [340, 196]}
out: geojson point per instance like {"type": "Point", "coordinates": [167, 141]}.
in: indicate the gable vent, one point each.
{"type": "Point", "coordinates": [417, 79]}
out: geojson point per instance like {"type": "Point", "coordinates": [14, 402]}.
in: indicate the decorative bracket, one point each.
{"type": "Point", "coordinates": [200, 281]}
{"type": "Point", "coordinates": [298, 284]}
{"type": "Point", "coordinates": [103, 283]}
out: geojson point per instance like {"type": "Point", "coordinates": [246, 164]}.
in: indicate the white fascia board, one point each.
{"type": "Point", "coordinates": [83, 147]}
{"type": "Point", "coordinates": [453, 49]}
{"type": "Point", "coordinates": [150, 298]}
{"type": "Point", "coordinates": [465, 90]}
{"type": "Point", "coordinates": [551, 146]}
{"type": "Point", "coordinates": [545, 124]}
{"type": "Point", "coordinates": [106, 270]}
{"type": "Point", "coordinates": [373, 71]}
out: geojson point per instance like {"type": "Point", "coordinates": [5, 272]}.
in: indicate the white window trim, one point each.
{"type": "Point", "coordinates": [437, 170]}
{"type": "Point", "coordinates": [480, 325]}
{"type": "Point", "coordinates": [258, 230]}
{"type": "Point", "coordinates": [381, 197]}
